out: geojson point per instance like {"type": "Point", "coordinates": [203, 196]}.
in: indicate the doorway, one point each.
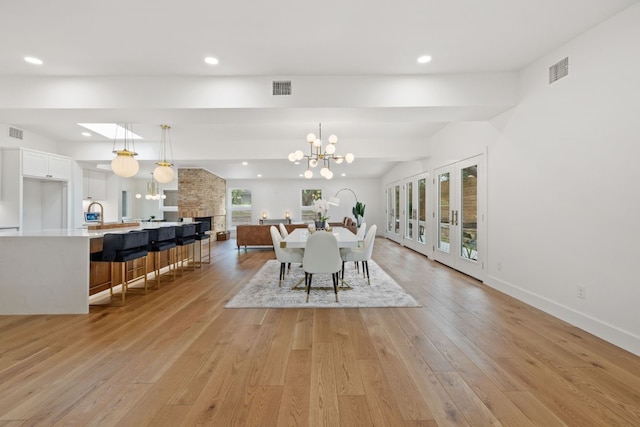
{"type": "Point", "coordinates": [460, 190]}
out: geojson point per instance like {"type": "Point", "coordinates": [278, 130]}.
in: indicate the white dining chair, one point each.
{"type": "Point", "coordinates": [283, 231]}
{"type": "Point", "coordinates": [361, 231]}
{"type": "Point", "coordinates": [285, 255]}
{"type": "Point", "coordinates": [321, 255]}
{"type": "Point", "coordinates": [360, 235]}
{"type": "Point", "coordinates": [361, 254]}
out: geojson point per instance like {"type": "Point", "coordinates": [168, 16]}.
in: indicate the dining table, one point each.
{"type": "Point", "coordinates": [298, 237]}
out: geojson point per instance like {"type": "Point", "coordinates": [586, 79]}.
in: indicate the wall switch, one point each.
{"type": "Point", "coordinates": [581, 292]}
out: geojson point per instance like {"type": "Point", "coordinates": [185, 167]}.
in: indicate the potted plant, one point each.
{"type": "Point", "coordinates": [358, 213]}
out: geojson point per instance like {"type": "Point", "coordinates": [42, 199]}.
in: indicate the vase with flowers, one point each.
{"type": "Point", "coordinates": [321, 208]}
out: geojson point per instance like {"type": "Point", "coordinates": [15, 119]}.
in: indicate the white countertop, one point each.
{"type": "Point", "coordinates": [83, 232]}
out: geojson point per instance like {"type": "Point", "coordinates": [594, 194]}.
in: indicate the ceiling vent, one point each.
{"type": "Point", "coordinates": [559, 70]}
{"type": "Point", "coordinates": [281, 87]}
{"type": "Point", "coordinates": [15, 133]}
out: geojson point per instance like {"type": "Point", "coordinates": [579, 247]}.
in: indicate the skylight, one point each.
{"type": "Point", "coordinates": [110, 130]}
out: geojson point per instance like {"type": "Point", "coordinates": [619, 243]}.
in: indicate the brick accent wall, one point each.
{"type": "Point", "coordinates": [201, 193]}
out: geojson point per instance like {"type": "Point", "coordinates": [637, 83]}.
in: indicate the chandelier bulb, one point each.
{"type": "Point", "coordinates": [349, 157]}
{"type": "Point", "coordinates": [311, 137]}
{"type": "Point", "coordinates": [333, 139]}
{"type": "Point", "coordinates": [308, 173]}
{"type": "Point", "coordinates": [292, 157]}
{"type": "Point", "coordinates": [299, 154]}
{"type": "Point", "coordinates": [330, 149]}
{"type": "Point", "coordinates": [317, 143]}
{"type": "Point", "coordinates": [313, 163]}
{"type": "Point", "coordinates": [329, 174]}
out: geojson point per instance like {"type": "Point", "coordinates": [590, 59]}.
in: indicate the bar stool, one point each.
{"type": "Point", "coordinates": [162, 239]}
{"type": "Point", "coordinates": [202, 236]}
{"type": "Point", "coordinates": [185, 237]}
{"type": "Point", "coordinates": [120, 248]}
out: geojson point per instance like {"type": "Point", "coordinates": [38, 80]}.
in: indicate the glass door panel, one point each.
{"type": "Point", "coordinates": [389, 210]}
{"type": "Point", "coordinates": [396, 217]}
{"type": "Point", "coordinates": [444, 229]}
{"type": "Point", "coordinates": [422, 210]}
{"type": "Point", "coordinates": [469, 213]}
{"type": "Point", "coordinates": [409, 211]}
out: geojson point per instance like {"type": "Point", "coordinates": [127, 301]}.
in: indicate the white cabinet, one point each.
{"type": "Point", "coordinates": [94, 185]}
{"type": "Point", "coordinates": [43, 165]}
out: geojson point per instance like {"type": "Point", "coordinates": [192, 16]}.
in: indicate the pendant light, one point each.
{"type": "Point", "coordinates": [125, 163]}
{"type": "Point", "coordinates": [164, 173]}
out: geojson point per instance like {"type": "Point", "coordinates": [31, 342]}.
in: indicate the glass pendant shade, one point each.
{"type": "Point", "coordinates": [124, 164]}
{"type": "Point", "coordinates": [163, 173]}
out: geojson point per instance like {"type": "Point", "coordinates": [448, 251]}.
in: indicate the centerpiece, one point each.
{"type": "Point", "coordinates": [321, 207]}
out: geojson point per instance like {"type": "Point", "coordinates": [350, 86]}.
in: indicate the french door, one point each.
{"type": "Point", "coordinates": [393, 212]}
{"type": "Point", "coordinates": [460, 216]}
{"type": "Point", "coordinates": [415, 227]}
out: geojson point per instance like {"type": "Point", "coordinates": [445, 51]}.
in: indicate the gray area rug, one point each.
{"type": "Point", "coordinates": [262, 291]}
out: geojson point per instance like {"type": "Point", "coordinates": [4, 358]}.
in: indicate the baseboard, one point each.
{"type": "Point", "coordinates": [585, 322]}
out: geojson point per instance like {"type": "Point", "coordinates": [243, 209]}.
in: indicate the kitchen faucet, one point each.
{"type": "Point", "coordinates": [101, 211]}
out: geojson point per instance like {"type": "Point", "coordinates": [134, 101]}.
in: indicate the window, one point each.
{"type": "Point", "coordinates": [240, 206]}
{"type": "Point", "coordinates": [307, 198]}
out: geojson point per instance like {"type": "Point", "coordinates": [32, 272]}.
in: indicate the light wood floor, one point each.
{"type": "Point", "coordinates": [469, 356]}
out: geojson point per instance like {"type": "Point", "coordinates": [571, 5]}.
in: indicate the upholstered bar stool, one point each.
{"type": "Point", "coordinates": [203, 237]}
{"type": "Point", "coordinates": [162, 239]}
{"type": "Point", "coordinates": [120, 249]}
{"type": "Point", "coordinates": [185, 241]}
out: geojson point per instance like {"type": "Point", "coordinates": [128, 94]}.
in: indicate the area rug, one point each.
{"type": "Point", "coordinates": [262, 291]}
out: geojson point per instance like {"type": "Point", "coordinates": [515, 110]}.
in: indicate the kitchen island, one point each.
{"type": "Point", "coordinates": [48, 271]}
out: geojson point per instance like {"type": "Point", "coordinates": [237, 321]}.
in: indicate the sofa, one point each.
{"type": "Point", "coordinates": [348, 223]}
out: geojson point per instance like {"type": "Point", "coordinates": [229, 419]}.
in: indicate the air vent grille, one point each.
{"type": "Point", "coordinates": [281, 87]}
{"type": "Point", "coordinates": [15, 133]}
{"type": "Point", "coordinates": [559, 70]}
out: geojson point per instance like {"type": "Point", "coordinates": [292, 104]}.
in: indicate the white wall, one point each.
{"type": "Point", "coordinates": [278, 196]}
{"type": "Point", "coordinates": [562, 193]}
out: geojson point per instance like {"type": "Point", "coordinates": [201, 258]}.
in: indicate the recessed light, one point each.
{"type": "Point", "coordinates": [424, 59]}
{"type": "Point", "coordinates": [259, 175]}
{"type": "Point", "coordinates": [343, 174]}
{"type": "Point", "coordinates": [32, 60]}
{"type": "Point", "coordinates": [211, 60]}
{"type": "Point", "coordinates": [86, 134]}
{"type": "Point", "coordinates": [244, 163]}
{"type": "Point", "coordinates": [296, 163]}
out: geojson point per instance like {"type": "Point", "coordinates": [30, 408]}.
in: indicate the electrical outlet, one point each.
{"type": "Point", "coordinates": [581, 292]}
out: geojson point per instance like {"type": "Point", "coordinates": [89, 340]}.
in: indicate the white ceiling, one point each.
{"type": "Point", "coordinates": [279, 38]}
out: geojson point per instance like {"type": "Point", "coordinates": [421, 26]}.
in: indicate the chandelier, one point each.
{"type": "Point", "coordinates": [153, 190]}
{"type": "Point", "coordinates": [125, 164]}
{"type": "Point", "coordinates": [319, 157]}
{"type": "Point", "coordinates": [163, 173]}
